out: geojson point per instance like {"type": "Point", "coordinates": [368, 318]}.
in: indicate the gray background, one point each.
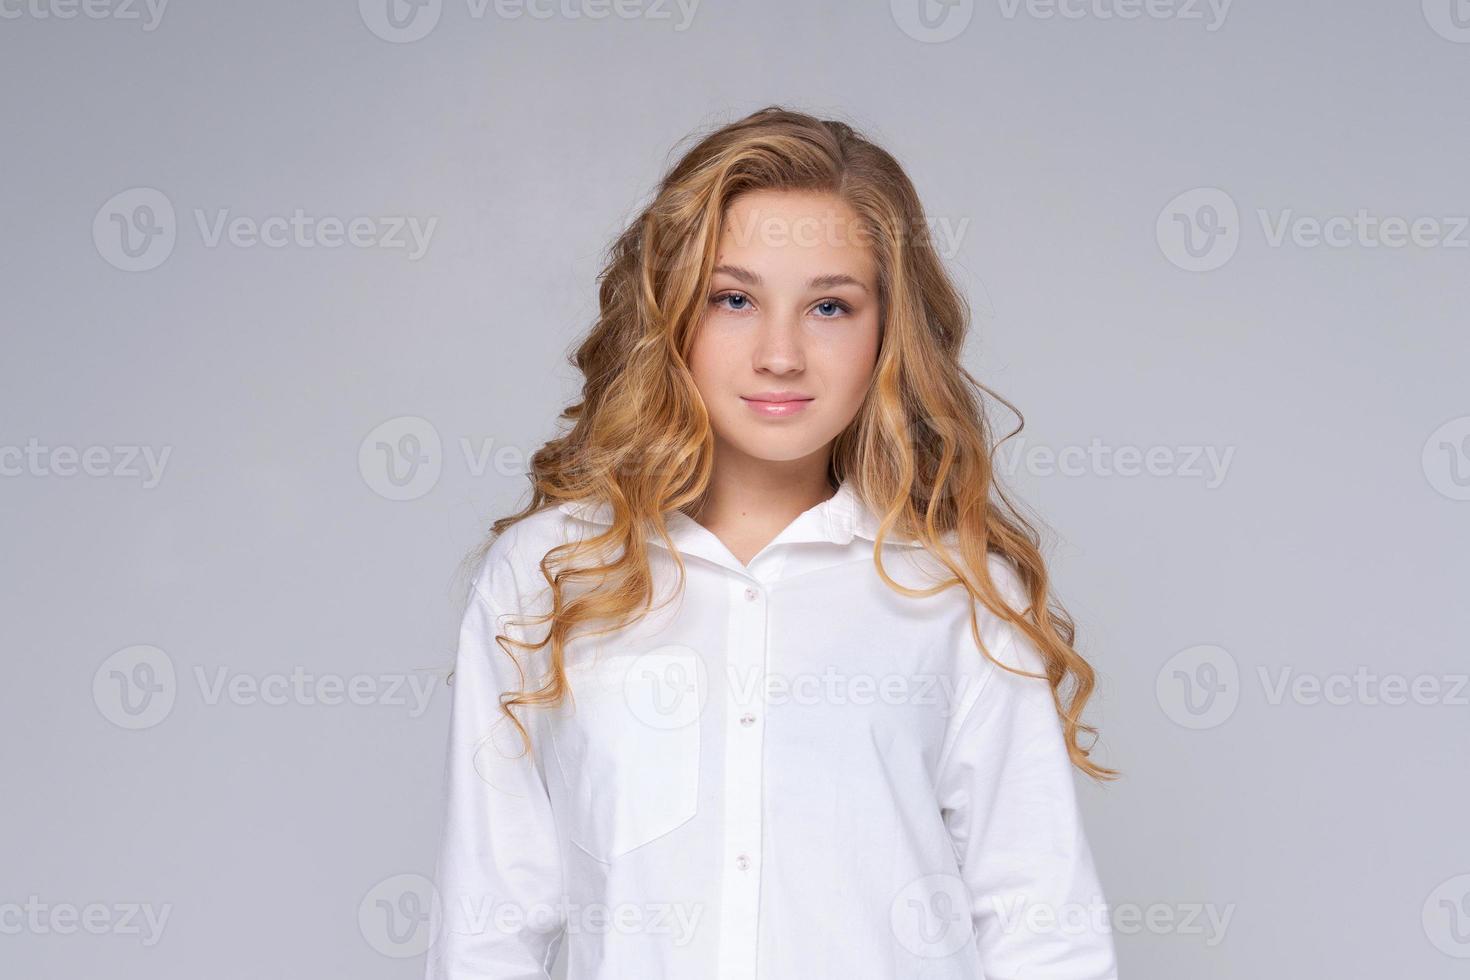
{"type": "Point", "coordinates": [1329, 837]}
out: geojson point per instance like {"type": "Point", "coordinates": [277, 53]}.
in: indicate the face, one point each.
{"type": "Point", "coordinates": [789, 337]}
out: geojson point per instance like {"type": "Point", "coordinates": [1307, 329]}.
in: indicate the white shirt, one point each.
{"type": "Point", "coordinates": [794, 773]}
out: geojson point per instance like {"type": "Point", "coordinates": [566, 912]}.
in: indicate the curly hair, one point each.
{"type": "Point", "coordinates": [919, 451]}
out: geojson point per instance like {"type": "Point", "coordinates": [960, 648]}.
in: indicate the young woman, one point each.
{"type": "Point", "coordinates": [766, 680]}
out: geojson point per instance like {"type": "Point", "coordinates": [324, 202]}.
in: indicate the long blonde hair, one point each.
{"type": "Point", "coordinates": [918, 453]}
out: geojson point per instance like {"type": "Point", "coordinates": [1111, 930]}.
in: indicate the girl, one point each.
{"type": "Point", "coordinates": [766, 680]}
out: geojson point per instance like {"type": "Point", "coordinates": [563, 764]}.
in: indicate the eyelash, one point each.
{"type": "Point", "coordinates": [842, 307]}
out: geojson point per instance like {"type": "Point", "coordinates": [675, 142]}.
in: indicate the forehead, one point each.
{"type": "Point", "coordinates": [801, 230]}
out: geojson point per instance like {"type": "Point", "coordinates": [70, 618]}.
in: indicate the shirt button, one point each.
{"type": "Point", "coordinates": [751, 593]}
{"type": "Point", "coordinates": [742, 861]}
{"type": "Point", "coordinates": [747, 719]}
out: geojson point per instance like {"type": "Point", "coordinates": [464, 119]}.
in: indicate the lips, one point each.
{"type": "Point", "coordinates": [778, 396]}
{"type": "Point", "coordinates": [777, 404]}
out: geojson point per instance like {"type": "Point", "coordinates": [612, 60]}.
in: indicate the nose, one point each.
{"type": "Point", "coordinates": [779, 349]}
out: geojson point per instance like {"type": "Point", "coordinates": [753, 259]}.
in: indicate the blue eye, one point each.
{"type": "Point", "coordinates": [724, 296]}
{"type": "Point", "coordinates": [836, 307]}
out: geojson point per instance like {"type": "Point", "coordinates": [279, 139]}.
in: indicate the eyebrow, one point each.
{"type": "Point", "coordinates": [816, 282]}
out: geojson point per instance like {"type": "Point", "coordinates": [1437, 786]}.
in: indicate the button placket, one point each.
{"type": "Point", "coordinates": [744, 745]}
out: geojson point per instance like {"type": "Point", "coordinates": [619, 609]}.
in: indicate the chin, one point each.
{"type": "Point", "coordinates": [772, 451]}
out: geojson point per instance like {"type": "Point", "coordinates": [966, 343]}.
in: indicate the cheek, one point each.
{"type": "Point", "coordinates": [850, 359]}
{"type": "Point", "coordinates": [717, 356]}
{"type": "Point", "coordinates": [705, 358]}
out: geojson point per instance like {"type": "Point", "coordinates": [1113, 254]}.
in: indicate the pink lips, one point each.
{"type": "Point", "coordinates": [777, 404]}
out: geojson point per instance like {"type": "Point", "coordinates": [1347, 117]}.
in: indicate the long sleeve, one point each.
{"type": "Point", "coordinates": [1009, 802]}
{"type": "Point", "coordinates": [499, 914]}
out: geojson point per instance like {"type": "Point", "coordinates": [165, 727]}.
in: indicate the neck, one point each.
{"type": "Point", "coordinates": [759, 492]}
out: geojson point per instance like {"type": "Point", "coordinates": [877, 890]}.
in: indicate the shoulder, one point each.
{"type": "Point", "coordinates": [1007, 582]}
{"type": "Point", "coordinates": [511, 566]}
{"type": "Point", "coordinates": [1003, 574]}
{"type": "Point", "coordinates": [998, 633]}
{"type": "Point", "coordinates": [1012, 646]}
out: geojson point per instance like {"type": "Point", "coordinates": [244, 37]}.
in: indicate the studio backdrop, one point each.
{"type": "Point", "coordinates": [288, 295]}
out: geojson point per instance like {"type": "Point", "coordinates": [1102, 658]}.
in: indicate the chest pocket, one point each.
{"type": "Point", "coordinates": [627, 744]}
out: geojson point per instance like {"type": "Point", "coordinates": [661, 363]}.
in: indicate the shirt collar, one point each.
{"type": "Point", "coordinates": [837, 520]}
